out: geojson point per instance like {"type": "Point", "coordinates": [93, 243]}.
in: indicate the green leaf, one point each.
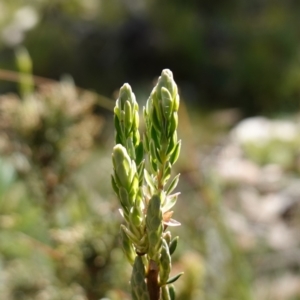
{"type": "Point", "coordinates": [146, 142]}
{"type": "Point", "coordinates": [122, 120]}
{"type": "Point", "coordinates": [166, 172]}
{"type": "Point", "coordinates": [175, 154]}
{"type": "Point", "coordinates": [170, 202]}
{"type": "Point", "coordinates": [134, 188]}
{"type": "Point", "coordinates": [114, 185]}
{"type": "Point", "coordinates": [174, 278]}
{"type": "Point", "coordinates": [167, 237]}
{"type": "Point", "coordinates": [122, 165]}
{"type": "Point", "coordinates": [118, 138]}
{"type": "Point", "coordinates": [138, 284]}
{"type": "Point", "coordinates": [167, 102]}
{"type": "Point", "coordinates": [157, 109]}
{"type": "Point", "coordinates": [136, 119]}
{"type": "Point", "coordinates": [118, 129]}
{"type": "Point", "coordinates": [154, 227]}
{"type": "Point", "coordinates": [176, 103]}
{"type": "Point", "coordinates": [135, 216]}
{"type": "Point", "coordinates": [128, 117]}
{"type": "Point", "coordinates": [172, 292]}
{"type": "Point", "coordinates": [117, 109]}
{"type": "Point", "coordinates": [139, 153]}
{"type": "Point", "coordinates": [154, 152]}
{"type": "Point", "coordinates": [172, 143]}
{"type": "Point", "coordinates": [155, 121]}
{"type": "Point", "coordinates": [131, 236]}
{"type": "Point", "coordinates": [173, 123]}
{"type": "Point", "coordinates": [153, 165]}
{"type": "Point", "coordinates": [136, 138]}
{"type": "Point", "coordinates": [130, 148]}
{"type": "Point", "coordinates": [173, 245]}
{"type": "Point", "coordinates": [127, 246]}
{"type": "Point", "coordinates": [124, 198]}
{"type": "Point", "coordinates": [173, 184]}
{"type": "Point", "coordinates": [140, 171]}
{"type": "Point", "coordinates": [165, 295]}
{"type": "Point", "coordinates": [155, 137]}
{"type": "Point", "coordinates": [149, 180]}
{"type": "Point", "coordinates": [165, 263]}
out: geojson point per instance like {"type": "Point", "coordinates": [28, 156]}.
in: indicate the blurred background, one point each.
{"type": "Point", "coordinates": [237, 66]}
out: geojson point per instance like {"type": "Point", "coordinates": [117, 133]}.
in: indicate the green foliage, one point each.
{"type": "Point", "coordinates": [47, 135]}
{"type": "Point", "coordinates": [48, 220]}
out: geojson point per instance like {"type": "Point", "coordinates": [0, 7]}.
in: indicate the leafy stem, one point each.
{"type": "Point", "coordinates": [142, 168]}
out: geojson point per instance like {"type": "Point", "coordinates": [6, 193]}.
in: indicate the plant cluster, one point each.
{"type": "Point", "coordinates": [142, 181]}
{"type": "Point", "coordinates": [48, 134]}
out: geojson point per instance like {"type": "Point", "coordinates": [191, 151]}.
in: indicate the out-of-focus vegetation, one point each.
{"type": "Point", "coordinates": [234, 53]}
{"type": "Point", "coordinates": [239, 208]}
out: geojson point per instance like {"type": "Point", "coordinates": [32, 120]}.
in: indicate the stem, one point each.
{"type": "Point", "coordinates": [152, 281]}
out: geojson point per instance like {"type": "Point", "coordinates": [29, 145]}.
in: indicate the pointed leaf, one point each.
{"type": "Point", "coordinates": [139, 153]}
{"type": "Point", "coordinates": [149, 180]}
{"type": "Point", "coordinates": [154, 152]}
{"type": "Point", "coordinates": [138, 285]}
{"type": "Point", "coordinates": [124, 198]}
{"type": "Point", "coordinates": [146, 143]}
{"type": "Point", "coordinates": [117, 127]}
{"type": "Point", "coordinates": [165, 263]}
{"type": "Point", "coordinates": [131, 236]}
{"type": "Point", "coordinates": [167, 102]}
{"type": "Point", "coordinates": [173, 123]}
{"type": "Point", "coordinates": [114, 185]}
{"type": "Point", "coordinates": [170, 202]}
{"type": "Point", "coordinates": [174, 278]}
{"type": "Point", "coordinates": [173, 184]}
{"type": "Point", "coordinates": [172, 292]}
{"type": "Point", "coordinates": [173, 245]}
{"type": "Point", "coordinates": [155, 137]}
{"type": "Point", "coordinates": [172, 143]}
{"type": "Point", "coordinates": [127, 246]}
{"type": "Point", "coordinates": [165, 295]}
{"type": "Point", "coordinates": [128, 117]}
{"type": "Point", "coordinates": [155, 121]}
{"type": "Point", "coordinates": [141, 172]}
{"type": "Point", "coordinates": [175, 154]}
{"type": "Point", "coordinates": [136, 119]}
{"type": "Point", "coordinates": [153, 165]}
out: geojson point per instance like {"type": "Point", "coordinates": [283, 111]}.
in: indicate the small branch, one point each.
{"type": "Point", "coordinates": [152, 281]}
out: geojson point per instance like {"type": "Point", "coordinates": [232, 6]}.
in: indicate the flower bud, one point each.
{"type": "Point", "coordinates": [122, 166]}
{"type": "Point", "coordinates": [126, 94]}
